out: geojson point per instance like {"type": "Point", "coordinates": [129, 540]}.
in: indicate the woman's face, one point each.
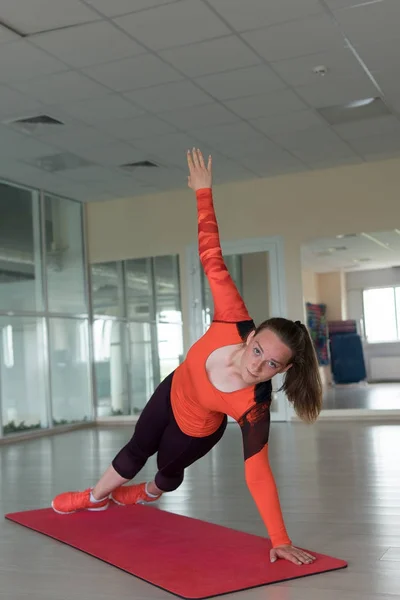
{"type": "Point", "coordinates": [265, 356]}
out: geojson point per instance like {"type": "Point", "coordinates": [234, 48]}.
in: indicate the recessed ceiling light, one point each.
{"type": "Point", "coordinates": [357, 110]}
{"type": "Point", "coordinates": [346, 235]}
{"type": "Point", "coordinates": [358, 103]}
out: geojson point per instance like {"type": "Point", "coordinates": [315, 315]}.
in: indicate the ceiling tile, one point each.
{"type": "Point", "coordinates": [127, 187]}
{"type": "Point", "coordinates": [296, 38]}
{"type": "Point", "coordinates": [263, 105]}
{"type": "Point", "coordinates": [226, 170]}
{"type": "Point", "coordinates": [370, 21]}
{"type": "Point", "coordinates": [16, 105]}
{"type": "Point", "coordinates": [74, 138]}
{"type": "Point", "coordinates": [170, 149]}
{"type": "Point", "coordinates": [76, 191]}
{"type": "Point", "coordinates": [22, 62]}
{"type": "Point", "coordinates": [380, 54]}
{"type": "Point", "coordinates": [114, 154]}
{"type": "Point", "coordinates": [163, 177]}
{"type": "Point", "coordinates": [123, 7]}
{"type": "Point", "coordinates": [248, 81]}
{"type": "Point", "coordinates": [288, 121]}
{"type": "Point", "coordinates": [16, 145]}
{"type": "Point", "coordinates": [329, 163]}
{"type": "Point", "coordinates": [360, 129]}
{"type": "Point", "coordinates": [378, 146]}
{"type": "Point", "coordinates": [200, 116]}
{"type": "Point", "coordinates": [235, 139]}
{"type": "Point", "coordinates": [337, 152]}
{"type": "Point", "coordinates": [182, 23]}
{"type": "Point", "coordinates": [211, 57]}
{"type": "Point", "coordinates": [90, 173]}
{"type": "Point", "coordinates": [6, 35]}
{"type": "Point", "coordinates": [104, 108]}
{"type": "Point", "coordinates": [266, 165]}
{"type": "Point", "coordinates": [42, 15]}
{"type": "Point", "coordinates": [294, 140]}
{"type": "Point", "coordinates": [24, 174]}
{"type": "Point", "coordinates": [341, 91]}
{"type": "Point", "coordinates": [312, 140]}
{"type": "Point", "coordinates": [88, 45]}
{"type": "Point", "coordinates": [338, 4]}
{"type": "Point", "coordinates": [299, 71]}
{"type": "Point", "coordinates": [170, 96]}
{"type": "Point", "coordinates": [133, 73]}
{"type": "Point", "coordinates": [261, 146]}
{"type": "Point", "coordinates": [141, 127]}
{"type": "Point", "coordinates": [253, 14]}
{"type": "Point", "coordinates": [389, 85]}
{"type": "Point", "coordinates": [61, 88]}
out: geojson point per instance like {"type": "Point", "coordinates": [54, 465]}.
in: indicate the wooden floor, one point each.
{"type": "Point", "coordinates": [371, 396]}
{"type": "Point", "coordinates": [339, 484]}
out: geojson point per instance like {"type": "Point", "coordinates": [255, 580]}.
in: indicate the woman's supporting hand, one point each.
{"type": "Point", "coordinates": [200, 176]}
{"type": "Point", "coordinates": [294, 555]}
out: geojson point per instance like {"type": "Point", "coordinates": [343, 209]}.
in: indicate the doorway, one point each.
{"type": "Point", "coordinates": [256, 265]}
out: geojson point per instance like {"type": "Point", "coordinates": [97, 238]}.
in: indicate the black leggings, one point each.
{"type": "Point", "coordinates": [158, 431]}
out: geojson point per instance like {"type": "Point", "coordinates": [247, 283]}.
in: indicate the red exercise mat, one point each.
{"type": "Point", "coordinates": [184, 556]}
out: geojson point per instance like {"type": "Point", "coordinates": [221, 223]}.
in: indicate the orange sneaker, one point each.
{"type": "Point", "coordinates": [71, 502]}
{"type": "Point", "coordinates": [132, 494]}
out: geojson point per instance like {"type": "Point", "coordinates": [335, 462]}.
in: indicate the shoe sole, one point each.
{"type": "Point", "coordinates": [75, 511]}
{"type": "Point", "coordinates": [116, 501]}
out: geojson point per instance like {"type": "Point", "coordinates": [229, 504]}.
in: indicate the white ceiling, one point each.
{"type": "Point", "coordinates": [137, 80]}
{"type": "Point", "coordinates": [362, 251]}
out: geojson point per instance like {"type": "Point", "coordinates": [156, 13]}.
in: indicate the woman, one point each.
{"type": "Point", "coordinates": [227, 372]}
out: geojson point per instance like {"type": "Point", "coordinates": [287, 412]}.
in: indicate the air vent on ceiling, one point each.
{"type": "Point", "coordinates": [142, 164]}
{"type": "Point", "coordinates": [32, 123]}
{"type": "Point", "coordinates": [39, 120]}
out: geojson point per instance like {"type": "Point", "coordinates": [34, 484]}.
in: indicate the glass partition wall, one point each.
{"type": "Point", "coordinates": [44, 315]}
{"type": "Point", "coordinates": [137, 330]}
{"type": "Point", "coordinates": [77, 342]}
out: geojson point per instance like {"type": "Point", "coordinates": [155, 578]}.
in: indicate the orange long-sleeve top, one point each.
{"type": "Point", "coordinates": [199, 407]}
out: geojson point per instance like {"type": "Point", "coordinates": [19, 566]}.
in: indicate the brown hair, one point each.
{"type": "Point", "coordinates": [302, 383]}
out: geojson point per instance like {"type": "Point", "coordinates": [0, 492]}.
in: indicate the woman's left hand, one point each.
{"type": "Point", "coordinates": [294, 555]}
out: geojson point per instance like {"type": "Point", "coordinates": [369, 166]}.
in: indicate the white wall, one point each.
{"type": "Point", "coordinates": [332, 292]}
{"type": "Point", "coordinates": [299, 207]}
{"type": "Point", "coordinates": [310, 287]}
{"type": "Point", "coordinates": [356, 282]}
{"type": "Point", "coordinates": [255, 277]}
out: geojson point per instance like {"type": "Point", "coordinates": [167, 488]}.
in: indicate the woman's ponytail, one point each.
{"type": "Point", "coordinates": [302, 382]}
